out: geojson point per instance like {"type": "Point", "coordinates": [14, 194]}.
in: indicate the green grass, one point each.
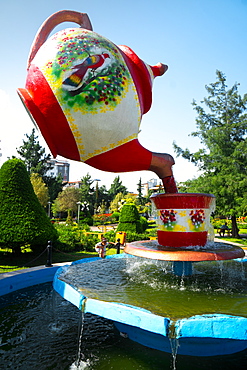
{"type": "Point", "coordinates": [241, 240]}
{"type": "Point", "coordinates": [10, 262]}
{"type": "Point", "coordinates": [243, 231]}
{"type": "Point", "coordinates": [235, 240]}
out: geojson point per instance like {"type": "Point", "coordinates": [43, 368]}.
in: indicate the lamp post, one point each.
{"type": "Point", "coordinates": [49, 209]}
{"type": "Point", "coordinates": [78, 211]}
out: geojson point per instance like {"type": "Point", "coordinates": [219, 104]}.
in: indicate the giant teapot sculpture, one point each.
{"type": "Point", "coordinates": [87, 96]}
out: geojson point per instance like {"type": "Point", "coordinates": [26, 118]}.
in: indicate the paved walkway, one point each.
{"type": "Point", "coordinates": [104, 228]}
{"type": "Point", "coordinates": [220, 240]}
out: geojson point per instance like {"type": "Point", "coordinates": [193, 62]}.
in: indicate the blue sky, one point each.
{"type": "Point", "coordinates": [194, 38]}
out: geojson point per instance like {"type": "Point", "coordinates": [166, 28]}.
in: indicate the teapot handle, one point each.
{"type": "Point", "coordinates": [50, 23]}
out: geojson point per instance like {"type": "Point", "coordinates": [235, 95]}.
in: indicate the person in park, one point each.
{"type": "Point", "coordinates": [101, 247]}
{"type": "Point", "coordinates": [118, 246]}
{"type": "Point", "coordinates": [223, 229]}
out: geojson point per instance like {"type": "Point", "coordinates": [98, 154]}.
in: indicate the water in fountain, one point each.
{"type": "Point", "coordinates": [39, 330]}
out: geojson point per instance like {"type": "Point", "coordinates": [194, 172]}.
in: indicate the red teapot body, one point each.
{"type": "Point", "coordinates": [87, 95]}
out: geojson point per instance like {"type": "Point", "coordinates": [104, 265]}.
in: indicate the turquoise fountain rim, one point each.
{"type": "Point", "coordinates": [190, 332]}
{"type": "Point", "coordinates": [218, 326]}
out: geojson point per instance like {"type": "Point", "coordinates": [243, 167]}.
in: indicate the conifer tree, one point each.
{"type": "Point", "coordinates": [34, 155]}
{"type": "Point", "coordinates": [222, 128]}
{"type": "Point", "coordinates": [117, 187]}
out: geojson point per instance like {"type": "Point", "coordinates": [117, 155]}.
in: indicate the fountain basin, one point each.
{"type": "Point", "coordinates": [199, 335]}
{"type": "Point", "coordinates": [152, 249]}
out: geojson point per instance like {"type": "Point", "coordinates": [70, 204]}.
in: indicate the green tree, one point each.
{"type": "Point", "coordinates": [34, 156]}
{"type": "Point", "coordinates": [117, 187]}
{"type": "Point", "coordinates": [93, 194]}
{"type": "Point", "coordinates": [87, 192]}
{"type": "Point", "coordinates": [67, 202]}
{"type": "Point", "coordinates": [222, 129]}
{"type": "Point", "coordinates": [140, 198]}
{"type": "Point", "coordinates": [103, 198]}
{"type": "Point", "coordinates": [37, 161]}
{"type": "Point", "coordinates": [55, 186]}
{"type": "Point", "coordinates": [23, 220]}
{"type": "Point", "coordinates": [40, 188]}
{"type": "Point", "coordinates": [139, 191]}
{"type": "Point", "coordinates": [117, 203]}
{"type": "Point", "coordinates": [131, 198]}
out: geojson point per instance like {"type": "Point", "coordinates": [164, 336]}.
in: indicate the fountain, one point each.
{"type": "Point", "coordinates": [199, 328]}
{"type": "Point", "coordinates": [94, 86]}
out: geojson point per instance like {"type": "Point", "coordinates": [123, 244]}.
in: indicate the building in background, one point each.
{"type": "Point", "coordinates": [73, 184]}
{"type": "Point", "coordinates": [150, 185]}
{"type": "Point", "coordinates": [59, 167]}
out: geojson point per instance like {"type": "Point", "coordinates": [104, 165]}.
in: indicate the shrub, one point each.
{"type": "Point", "coordinates": [86, 218]}
{"type": "Point", "coordinates": [132, 236]}
{"type": "Point", "coordinates": [242, 226]}
{"type": "Point", "coordinates": [152, 232]}
{"type": "Point", "coordinates": [88, 242]}
{"type": "Point", "coordinates": [69, 239]}
{"type": "Point", "coordinates": [110, 236]}
{"type": "Point", "coordinates": [73, 238]}
{"type": "Point", "coordinates": [84, 227]}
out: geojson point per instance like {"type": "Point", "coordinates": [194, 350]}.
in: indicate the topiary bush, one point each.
{"type": "Point", "coordinates": [129, 219]}
{"type": "Point", "coordinates": [22, 218]}
{"type": "Point", "coordinates": [115, 216]}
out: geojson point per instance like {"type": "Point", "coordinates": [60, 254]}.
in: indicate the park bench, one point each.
{"type": "Point", "coordinates": [227, 232]}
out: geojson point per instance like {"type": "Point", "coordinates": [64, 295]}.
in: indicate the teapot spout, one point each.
{"type": "Point", "coordinates": [159, 69]}
{"type": "Point", "coordinates": [161, 164]}
{"type": "Point", "coordinates": [132, 156]}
